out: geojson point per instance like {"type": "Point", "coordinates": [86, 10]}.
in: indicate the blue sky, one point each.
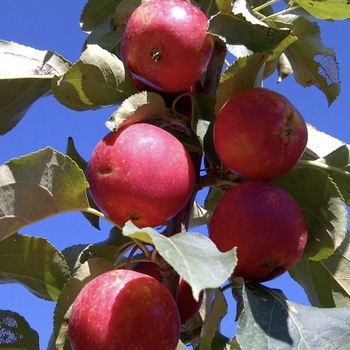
{"type": "Point", "coordinates": [54, 26]}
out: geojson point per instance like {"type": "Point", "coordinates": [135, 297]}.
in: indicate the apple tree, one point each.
{"type": "Point", "coordinates": [192, 119]}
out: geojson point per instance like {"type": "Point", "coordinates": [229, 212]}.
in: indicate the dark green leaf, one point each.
{"type": "Point", "coordinates": [237, 30]}
{"type": "Point", "coordinates": [326, 282]}
{"type": "Point", "coordinates": [96, 11]}
{"type": "Point", "coordinates": [208, 144]}
{"type": "Point", "coordinates": [98, 79]}
{"type": "Point", "coordinates": [72, 254]}
{"type": "Point", "coordinates": [72, 152]}
{"type": "Point", "coordinates": [201, 268]}
{"type": "Point", "coordinates": [209, 7]}
{"type": "Point", "coordinates": [312, 62]}
{"type": "Point", "coordinates": [316, 281]}
{"type": "Point", "coordinates": [322, 205]}
{"type": "Point", "coordinates": [34, 263]}
{"type": "Point", "coordinates": [269, 321]}
{"type": "Point", "coordinates": [37, 186]}
{"type": "Point", "coordinates": [239, 76]}
{"type": "Point", "coordinates": [105, 36]}
{"type": "Point", "coordinates": [25, 76]}
{"type": "Point", "coordinates": [339, 161]}
{"type": "Point", "coordinates": [123, 11]}
{"type": "Point", "coordinates": [15, 332]}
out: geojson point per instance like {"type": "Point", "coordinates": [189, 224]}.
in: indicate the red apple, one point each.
{"type": "Point", "coordinates": [265, 224]}
{"type": "Point", "coordinates": [259, 134]}
{"type": "Point", "coordinates": [140, 173]}
{"type": "Point", "coordinates": [124, 309]}
{"type": "Point", "coordinates": [165, 44]}
{"type": "Point", "coordinates": [188, 307]}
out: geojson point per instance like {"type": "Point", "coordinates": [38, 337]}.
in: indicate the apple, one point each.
{"type": "Point", "coordinates": [259, 134]}
{"type": "Point", "coordinates": [188, 307]}
{"type": "Point", "coordinates": [124, 309]}
{"type": "Point", "coordinates": [165, 44]}
{"type": "Point", "coordinates": [140, 173]}
{"type": "Point", "coordinates": [265, 224]}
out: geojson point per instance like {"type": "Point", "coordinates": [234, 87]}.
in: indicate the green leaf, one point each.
{"type": "Point", "coordinates": [25, 76]}
{"type": "Point", "coordinates": [105, 36]}
{"type": "Point", "coordinates": [200, 268]}
{"type": "Point", "coordinates": [139, 107]}
{"type": "Point", "coordinates": [326, 282]}
{"type": "Point", "coordinates": [37, 186]}
{"type": "Point", "coordinates": [320, 144]}
{"type": "Point", "coordinates": [234, 344]}
{"type": "Point", "coordinates": [98, 79]}
{"type": "Point", "coordinates": [123, 11]}
{"type": "Point", "coordinates": [224, 6]}
{"type": "Point", "coordinates": [239, 76]}
{"type": "Point", "coordinates": [239, 31]}
{"type": "Point", "coordinates": [112, 249]}
{"type": "Point", "coordinates": [181, 346]}
{"type": "Point", "coordinates": [270, 321]}
{"type": "Point", "coordinates": [312, 62]}
{"type": "Point", "coordinates": [315, 280]}
{"type": "Point", "coordinates": [16, 333]}
{"type": "Point", "coordinates": [203, 107]}
{"type": "Point", "coordinates": [34, 263]}
{"type": "Point", "coordinates": [217, 311]}
{"type": "Point", "coordinates": [71, 254]}
{"type": "Point", "coordinates": [84, 274]}
{"type": "Point", "coordinates": [95, 12]}
{"type": "Point", "coordinates": [322, 205]}
{"type": "Point", "coordinates": [72, 152]}
{"type": "Point", "coordinates": [339, 160]}
{"type": "Point", "coordinates": [335, 9]}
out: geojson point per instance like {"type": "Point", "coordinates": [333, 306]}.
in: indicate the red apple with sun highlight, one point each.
{"type": "Point", "coordinates": [165, 44]}
{"type": "Point", "coordinates": [124, 310]}
{"type": "Point", "coordinates": [140, 173]}
{"type": "Point", "coordinates": [265, 224]}
{"type": "Point", "coordinates": [259, 134]}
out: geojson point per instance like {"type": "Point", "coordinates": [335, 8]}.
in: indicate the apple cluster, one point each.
{"type": "Point", "coordinates": [259, 135]}
{"type": "Point", "coordinates": [144, 174]}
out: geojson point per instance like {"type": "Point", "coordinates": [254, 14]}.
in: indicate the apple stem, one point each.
{"type": "Point", "coordinates": [266, 4]}
{"type": "Point", "coordinates": [101, 215]}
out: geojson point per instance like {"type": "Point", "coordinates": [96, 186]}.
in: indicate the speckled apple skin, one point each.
{"type": "Point", "coordinates": [140, 173]}
{"type": "Point", "coordinates": [124, 310]}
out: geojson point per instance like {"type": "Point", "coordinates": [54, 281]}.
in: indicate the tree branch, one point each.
{"type": "Point", "coordinates": [213, 74]}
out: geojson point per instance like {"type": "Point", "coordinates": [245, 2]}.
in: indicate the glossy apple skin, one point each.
{"type": "Point", "coordinates": [259, 134]}
{"type": "Point", "coordinates": [265, 224]}
{"type": "Point", "coordinates": [188, 307]}
{"type": "Point", "coordinates": [140, 173]}
{"type": "Point", "coordinates": [165, 44]}
{"type": "Point", "coordinates": [124, 309]}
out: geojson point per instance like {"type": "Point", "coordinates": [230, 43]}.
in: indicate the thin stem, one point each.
{"type": "Point", "coordinates": [324, 166]}
{"type": "Point", "coordinates": [266, 4]}
{"type": "Point", "coordinates": [286, 10]}
{"type": "Point", "coordinates": [143, 247]}
{"type": "Point", "coordinates": [128, 261]}
{"type": "Point", "coordinates": [101, 215]}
